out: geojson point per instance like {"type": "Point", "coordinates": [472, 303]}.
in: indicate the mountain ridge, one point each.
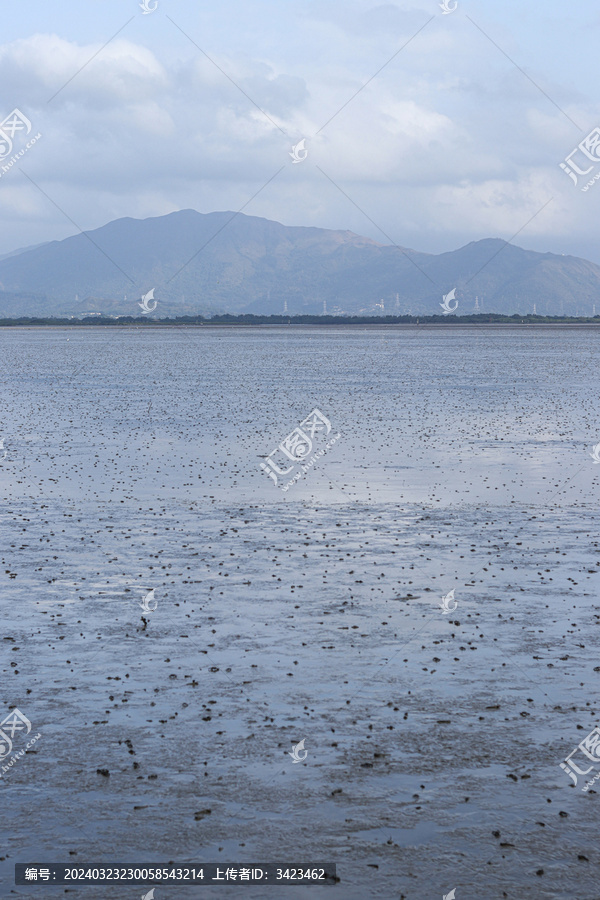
{"type": "Point", "coordinates": [225, 262]}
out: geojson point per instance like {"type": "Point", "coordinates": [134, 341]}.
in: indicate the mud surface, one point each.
{"type": "Point", "coordinates": [433, 740]}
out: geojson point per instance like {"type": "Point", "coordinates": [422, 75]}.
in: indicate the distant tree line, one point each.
{"type": "Point", "coordinates": [246, 319]}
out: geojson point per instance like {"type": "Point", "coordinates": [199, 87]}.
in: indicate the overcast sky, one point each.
{"type": "Point", "coordinates": [450, 142]}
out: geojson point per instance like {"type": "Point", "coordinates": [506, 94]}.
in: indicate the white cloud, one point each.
{"type": "Point", "coordinates": [43, 64]}
{"type": "Point", "coordinates": [448, 142]}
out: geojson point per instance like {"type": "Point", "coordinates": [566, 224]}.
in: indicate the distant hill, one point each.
{"type": "Point", "coordinates": [221, 262]}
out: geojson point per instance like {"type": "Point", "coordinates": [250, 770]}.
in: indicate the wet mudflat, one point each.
{"type": "Point", "coordinates": [433, 739]}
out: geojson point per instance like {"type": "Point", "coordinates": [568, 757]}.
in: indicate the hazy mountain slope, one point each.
{"type": "Point", "coordinates": [237, 263]}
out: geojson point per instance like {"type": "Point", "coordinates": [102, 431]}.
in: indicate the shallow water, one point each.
{"type": "Point", "coordinates": [434, 741]}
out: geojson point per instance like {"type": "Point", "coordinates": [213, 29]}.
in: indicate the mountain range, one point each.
{"type": "Point", "coordinates": [229, 262]}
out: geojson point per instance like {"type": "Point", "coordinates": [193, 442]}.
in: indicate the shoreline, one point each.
{"type": "Point", "coordinates": [267, 325]}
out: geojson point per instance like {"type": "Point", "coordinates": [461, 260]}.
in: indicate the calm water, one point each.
{"type": "Point", "coordinates": [433, 740]}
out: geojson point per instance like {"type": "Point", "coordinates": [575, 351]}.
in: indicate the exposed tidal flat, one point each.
{"type": "Point", "coordinates": [433, 741]}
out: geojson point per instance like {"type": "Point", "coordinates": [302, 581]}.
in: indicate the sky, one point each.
{"type": "Point", "coordinates": [421, 128]}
